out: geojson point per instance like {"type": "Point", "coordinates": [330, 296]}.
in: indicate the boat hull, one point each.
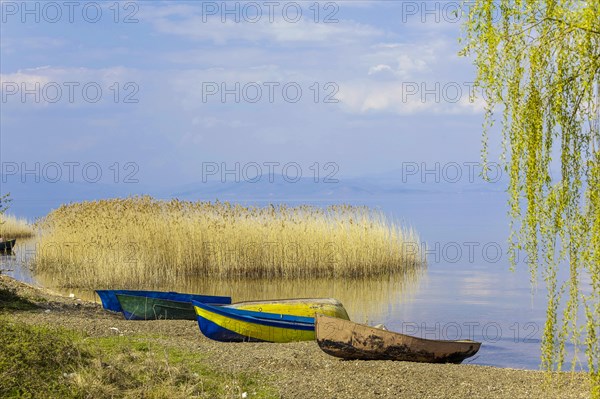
{"type": "Point", "coordinates": [146, 308]}
{"type": "Point", "coordinates": [306, 307]}
{"type": "Point", "coordinates": [111, 302]}
{"type": "Point", "coordinates": [236, 325]}
{"type": "Point", "coordinates": [7, 246]}
{"type": "Point", "coordinates": [352, 341]}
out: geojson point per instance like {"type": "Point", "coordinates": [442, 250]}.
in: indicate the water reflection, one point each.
{"type": "Point", "coordinates": [366, 300]}
{"type": "Point", "coordinates": [17, 263]}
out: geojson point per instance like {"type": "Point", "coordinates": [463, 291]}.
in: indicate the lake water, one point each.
{"type": "Point", "coordinates": [467, 290]}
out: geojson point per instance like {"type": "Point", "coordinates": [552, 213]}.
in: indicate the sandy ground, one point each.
{"type": "Point", "coordinates": [302, 370]}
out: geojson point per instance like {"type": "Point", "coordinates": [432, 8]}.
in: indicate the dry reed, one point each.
{"type": "Point", "coordinates": [13, 227]}
{"type": "Point", "coordinates": [142, 242]}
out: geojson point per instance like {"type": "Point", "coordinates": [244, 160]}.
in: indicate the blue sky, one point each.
{"type": "Point", "coordinates": [381, 84]}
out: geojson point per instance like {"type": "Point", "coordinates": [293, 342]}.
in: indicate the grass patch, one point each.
{"type": "Point", "coordinates": [10, 300]}
{"type": "Point", "coordinates": [34, 360]}
{"type": "Point", "coordinates": [142, 242]}
{"type": "Point", "coordinates": [149, 367]}
{"type": "Point", "coordinates": [13, 227]}
{"type": "Point", "coordinates": [56, 363]}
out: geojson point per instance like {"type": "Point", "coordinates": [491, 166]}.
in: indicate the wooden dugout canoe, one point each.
{"type": "Point", "coordinates": [226, 324]}
{"type": "Point", "coordinates": [349, 340]}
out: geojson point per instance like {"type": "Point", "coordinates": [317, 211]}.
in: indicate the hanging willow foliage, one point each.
{"type": "Point", "coordinates": [4, 201]}
{"type": "Point", "coordinates": [539, 62]}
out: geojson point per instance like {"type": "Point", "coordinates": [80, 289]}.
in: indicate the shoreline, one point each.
{"type": "Point", "coordinates": [301, 369]}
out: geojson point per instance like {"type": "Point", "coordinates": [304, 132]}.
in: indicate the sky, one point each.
{"type": "Point", "coordinates": [169, 94]}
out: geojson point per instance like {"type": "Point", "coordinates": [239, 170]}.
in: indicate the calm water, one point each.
{"type": "Point", "coordinates": [466, 292]}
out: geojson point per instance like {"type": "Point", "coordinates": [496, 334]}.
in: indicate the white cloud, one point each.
{"type": "Point", "coordinates": [46, 85]}
{"type": "Point", "coordinates": [189, 22]}
{"type": "Point", "coordinates": [47, 73]}
{"type": "Point", "coordinates": [405, 98]}
{"type": "Point", "coordinates": [29, 77]}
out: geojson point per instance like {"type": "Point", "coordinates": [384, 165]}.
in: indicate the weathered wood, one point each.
{"type": "Point", "coordinates": [349, 340]}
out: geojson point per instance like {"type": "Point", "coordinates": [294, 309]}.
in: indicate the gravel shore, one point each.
{"type": "Point", "coordinates": [302, 370]}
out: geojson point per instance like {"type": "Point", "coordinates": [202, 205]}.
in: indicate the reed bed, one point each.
{"type": "Point", "coordinates": [13, 227]}
{"type": "Point", "coordinates": [143, 242]}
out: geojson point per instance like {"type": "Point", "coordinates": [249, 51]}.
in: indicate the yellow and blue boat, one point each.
{"type": "Point", "coordinates": [228, 324]}
{"type": "Point", "coordinates": [306, 307]}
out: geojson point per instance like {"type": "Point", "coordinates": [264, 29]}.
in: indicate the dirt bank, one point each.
{"type": "Point", "coordinates": [299, 370]}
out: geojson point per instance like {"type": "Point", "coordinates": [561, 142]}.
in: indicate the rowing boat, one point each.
{"type": "Point", "coordinates": [152, 305]}
{"type": "Point", "coordinates": [306, 307]}
{"type": "Point", "coordinates": [348, 340]}
{"type": "Point", "coordinates": [226, 324]}
{"type": "Point", "coordinates": [7, 246]}
{"type": "Point", "coordinates": [143, 307]}
{"type": "Point", "coordinates": [136, 307]}
{"type": "Point", "coordinates": [140, 305]}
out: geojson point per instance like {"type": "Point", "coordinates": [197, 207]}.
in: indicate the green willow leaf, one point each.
{"type": "Point", "coordinates": [538, 61]}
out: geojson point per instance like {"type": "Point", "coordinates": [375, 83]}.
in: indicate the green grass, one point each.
{"type": "Point", "coordinates": [148, 367]}
{"type": "Point", "coordinates": [33, 360]}
{"type": "Point", "coordinates": [50, 362]}
{"type": "Point", "coordinates": [9, 300]}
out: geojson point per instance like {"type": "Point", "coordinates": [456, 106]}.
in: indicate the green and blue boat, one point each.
{"type": "Point", "coordinates": [153, 305]}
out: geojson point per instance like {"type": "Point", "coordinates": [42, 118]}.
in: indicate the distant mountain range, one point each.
{"type": "Point", "coordinates": [34, 200]}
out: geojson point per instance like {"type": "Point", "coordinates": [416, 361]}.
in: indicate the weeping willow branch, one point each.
{"type": "Point", "coordinates": [4, 201]}
{"type": "Point", "coordinates": [574, 26]}
{"type": "Point", "coordinates": [539, 61]}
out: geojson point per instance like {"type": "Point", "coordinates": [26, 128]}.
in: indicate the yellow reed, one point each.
{"type": "Point", "coordinates": [140, 241]}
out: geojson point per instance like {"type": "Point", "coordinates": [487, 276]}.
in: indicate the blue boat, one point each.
{"type": "Point", "coordinates": [111, 302]}
{"type": "Point", "coordinates": [226, 324]}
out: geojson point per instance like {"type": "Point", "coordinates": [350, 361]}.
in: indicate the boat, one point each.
{"type": "Point", "coordinates": [151, 305]}
{"type": "Point", "coordinates": [7, 246]}
{"type": "Point", "coordinates": [137, 307]}
{"type": "Point", "coordinates": [226, 324]}
{"type": "Point", "coordinates": [307, 307]}
{"type": "Point", "coordinates": [296, 307]}
{"type": "Point", "coordinates": [141, 304]}
{"type": "Point", "coordinates": [144, 307]}
{"type": "Point", "coordinates": [352, 341]}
